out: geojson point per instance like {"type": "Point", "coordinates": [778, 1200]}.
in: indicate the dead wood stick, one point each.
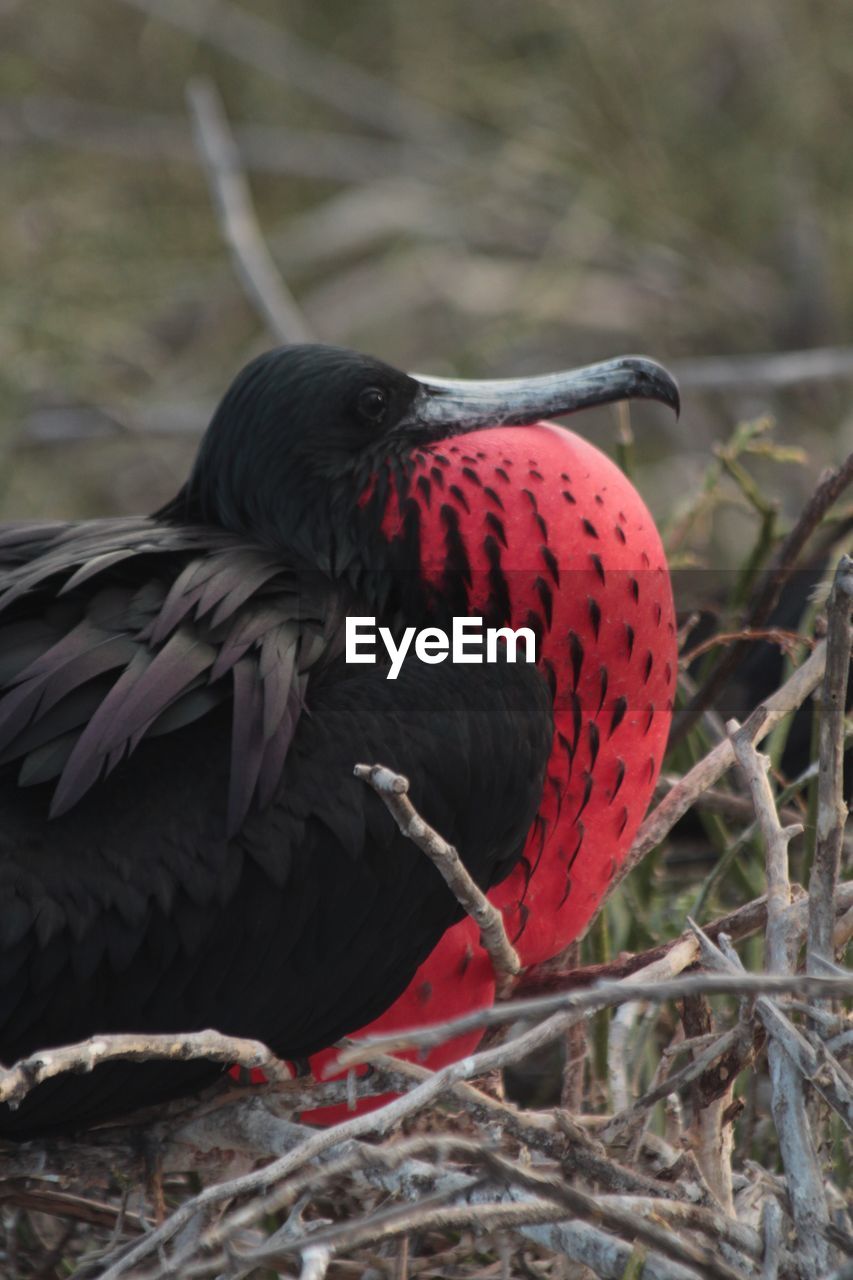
{"type": "Point", "coordinates": [755, 768]}
{"type": "Point", "coordinates": [392, 788]}
{"type": "Point", "coordinates": [578, 1004]}
{"type": "Point", "coordinates": [709, 770]}
{"type": "Point", "coordinates": [831, 806]}
{"type": "Point", "coordinates": [65, 1204]}
{"type": "Point", "coordinates": [390, 1224]}
{"type": "Point", "coordinates": [232, 200]}
{"type": "Point", "coordinates": [771, 1228]}
{"type": "Point", "coordinates": [17, 1081]}
{"type": "Point", "coordinates": [814, 1063]}
{"type": "Point", "coordinates": [806, 1190]}
{"type": "Point", "coordinates": [547, 978]}
{"type": "Point", "coordinates": [672, 1084]}
{"type": "Point", "coordinates": [402, 1169]}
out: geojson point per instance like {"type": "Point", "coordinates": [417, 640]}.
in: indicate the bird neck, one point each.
{"type": "Point", "coordinates": [336, 528]}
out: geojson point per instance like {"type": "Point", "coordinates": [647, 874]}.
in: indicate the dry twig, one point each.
{"type": "Point", "coordinates": [709, 770]}
{"type": "Point", "coordinates": [17, 1081]}
{"type": "Point", "coordinates": [802, 1166]}
{"type": "Point", "coordinates": [392, 788]}
{"type": "Point", "coordinates": [602, 995]}
{"type": "Point", "coordinates": [831, 806]}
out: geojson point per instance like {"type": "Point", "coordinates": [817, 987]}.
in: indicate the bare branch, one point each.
{"type": "Point", "coordinates": [771, 1225]}
{"type": "Point", "coordinates": [577, 1004]}
{"type": "Point", "coordinates": [776, 840]}
{"type": "Point", "coordinates": [738, 924]}
{"type": "Point", "coordinates": [788, 1103]}
{"type": "Point", "coordinates": [17, 1081]}
{"type": "Point", "coordinates": [392, 788]}
{"type": "Point", "coordinates": [709, 770]}
{"type": "Point", "coordinates": [831, 806]}
{"type": "Point", "coordinates": [402, 1219]}
{"type": "Point", "coordinates": [816, 1065]}
{"type": "Point", "coordinates": [63, 1204]}
{"type": "Point", "coordinates": [672, 1084]}
{"type": "Point", "coordinates": [230, 191]}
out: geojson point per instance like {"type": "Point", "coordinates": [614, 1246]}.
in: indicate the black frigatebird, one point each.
{"type": "Point", "coordinates": [182, 842]}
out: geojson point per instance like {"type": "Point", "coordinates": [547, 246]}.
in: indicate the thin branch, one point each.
{"type": "Point", "coordinates": [755, 768]}
{"type": "Point", "coordinates": [729, 805]}
{"type": "Point", "coordinates": [831, 806]}
{"type": "Point", "coordinates": [738, 924]}
{"type": "Point", "coordinates": [392, 788]}
{"type": "Point", "coordinates": [816, 1065]}
{"type": "Point", "coordinates": [621, 1025]}
{"type": "Point", "coordinates": [379, 1121]}
{"type": "Point", "coordinates": [229, 189]}
{"type": "Point", "coordinates": [603, 995]}
{"type": "Point", "coordinates": [786, 641]}
{"type": "Point", "coordinates": [555, 1135]}
{"type": "Point", "coordinates": [788, 1103]}
{"type": "Point", "coordinates": [17, 1081]}
{"type": "Point", "coordinates": [400, 1169]}
{"type": "Point", "coordinates": [672, 1084]}
{"type": "Point", "coordinates": [709, 770]}
{"type": "Point", "coordinates": [718, 1227]}
{"type": "Point", "coordinates": [771, 1228]}
{"type": "Point", "coordinates": [63, 1204]}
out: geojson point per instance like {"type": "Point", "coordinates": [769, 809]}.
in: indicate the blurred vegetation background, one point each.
{"type": "Point", "coordinates": [477, 186]}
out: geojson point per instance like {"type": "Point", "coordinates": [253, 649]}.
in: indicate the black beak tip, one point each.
{"type": "Point", "coordinates": [675, 402]}
{"type": "Point", "coordinates": [654, 382]}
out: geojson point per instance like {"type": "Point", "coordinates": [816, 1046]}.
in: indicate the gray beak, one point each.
{"type": "Point", "coordinates": [444, 407]}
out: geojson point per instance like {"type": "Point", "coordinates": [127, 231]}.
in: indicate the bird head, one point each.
{"type": "Point", "coordinates": [304, 429]}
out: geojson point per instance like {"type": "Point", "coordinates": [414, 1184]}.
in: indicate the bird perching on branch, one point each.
{"type": "Point", "coordinates": [182, 842]}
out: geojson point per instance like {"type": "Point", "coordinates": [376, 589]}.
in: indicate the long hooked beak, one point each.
{"type": "Point", "coordinates": [444, 406]}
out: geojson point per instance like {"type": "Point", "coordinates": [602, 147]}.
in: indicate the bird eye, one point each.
{"type": "Point", "coordinates": [372, 404]}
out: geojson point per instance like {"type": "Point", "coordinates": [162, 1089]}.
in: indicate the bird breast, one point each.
{"type": "Point", "coordinates": [536, 527]}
